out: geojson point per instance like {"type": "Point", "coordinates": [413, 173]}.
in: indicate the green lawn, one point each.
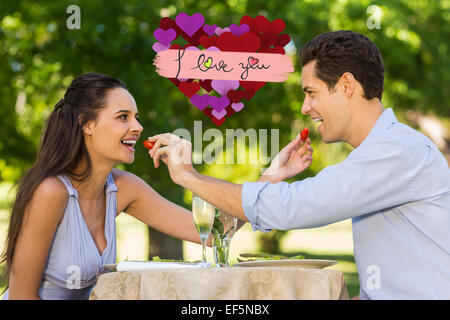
{"type": "Point", "coordinates": [333, 242]}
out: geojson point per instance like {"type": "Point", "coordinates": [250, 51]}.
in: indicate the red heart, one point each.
{"type": "Point", "coordinates": [257, 24]}
{"type": "Point", "coordinates": [263, 36]}
{"type": "Point", "coordinates": [252, 85]}
{"type": "Point", "coordinates": [238, 95]}
{"type": "Point", "coordinates": [267, 40]}
{"type": "Point", "coordinates": [248, 42]}
{"type": "Point", "coordinates": [248, 95]}
{"type": "Point", "coordinates": [189, 88]}
{"type": "Point", "coordinates": [248, 21]}
{"type": "Point", "coordinates": [275, 27]}
{"type": "Point", "coordinates": [194, 40]}
{"type": "Point", "coordinates": [206, 84]}
{"type": "Point", "coordinates": [230, 111]}
{"type": "Point", "coordinates": [167, 23]}
{"type": "Point", "coordinates": [260, 23]}
{"type": "Point", "coordinates": [175, 81]}
{"type": "Point", "coordinates": [207, 42]}
{"type": "Point", "coordinates": [235, 96]}
{"type": "Point", "coordinates": [217, 122]}
{"type": "Point", "coordinates": [283, 40]}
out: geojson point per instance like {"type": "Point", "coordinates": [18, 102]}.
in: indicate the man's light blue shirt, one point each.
{"type": "Point", "coordinates": [396, 188]}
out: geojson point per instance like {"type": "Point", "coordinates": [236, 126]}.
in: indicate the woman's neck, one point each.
{"type": "Point", "coordinates": [93, 188]}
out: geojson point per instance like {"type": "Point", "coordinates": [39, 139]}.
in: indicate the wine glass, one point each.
{"type": "Point", "coordinates": [203, 213]}
{"type": "Point", "coordinates": [223, 230]}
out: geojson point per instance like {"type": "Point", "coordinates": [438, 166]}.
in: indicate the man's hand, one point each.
{"type": "Point", "coordinates": [175, 152]}
{"type": "Point", "coordinates": [290, 161]}
{"type": "Point", "coordinates": [177, 155]}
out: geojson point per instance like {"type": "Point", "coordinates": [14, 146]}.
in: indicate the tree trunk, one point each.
{"type": "Point", "coordinates": [164, 246]}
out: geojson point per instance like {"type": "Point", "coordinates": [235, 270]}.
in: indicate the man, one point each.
{"type": "Point", "coordinates": [395, 184]}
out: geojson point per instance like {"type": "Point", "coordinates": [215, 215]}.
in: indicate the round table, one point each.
{"type": "Point", "coordinates": [235, 283]}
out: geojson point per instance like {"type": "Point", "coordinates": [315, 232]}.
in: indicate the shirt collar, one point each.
{"type": "Point", "coordinates": [385, 120]}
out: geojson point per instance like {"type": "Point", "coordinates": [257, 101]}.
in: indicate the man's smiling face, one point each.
{"type": "Point", "coordinates": [328, 108]}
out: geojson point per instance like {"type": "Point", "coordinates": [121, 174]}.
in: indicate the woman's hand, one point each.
{"type": "Point", "coordinates": [293, 159]}
{"type": "Point", "coordinates": [175, 152]}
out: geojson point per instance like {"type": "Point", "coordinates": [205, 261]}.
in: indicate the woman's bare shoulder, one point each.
{"type": "Point", "coordinates": [130, 188]}
{"type": "Point", "coordinates": [52, 187]}
{"type": "Point", "coordinates": [130, 184]}
{"type": "Point", "coordinates": [52, 195]}
{"type": "Point", "coordinates": [125, 178]}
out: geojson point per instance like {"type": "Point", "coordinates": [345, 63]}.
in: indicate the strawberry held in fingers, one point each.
{"type": "Point", "coordinates": [304, 134]}
{"type": "Point", "coordinates": [148, 144]}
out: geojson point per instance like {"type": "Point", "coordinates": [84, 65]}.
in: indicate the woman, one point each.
{"type": "Point", "coordinates": [62, 227]}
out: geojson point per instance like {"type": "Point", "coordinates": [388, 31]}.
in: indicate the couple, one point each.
{"type": "Point", "coordinates": [395, 184]}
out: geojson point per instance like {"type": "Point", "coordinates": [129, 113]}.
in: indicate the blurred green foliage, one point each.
{"type": "Point", "coordinates": [40, 56]}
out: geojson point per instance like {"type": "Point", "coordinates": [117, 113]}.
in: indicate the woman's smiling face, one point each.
{"type": "Point", "coordinates": [115, 132]}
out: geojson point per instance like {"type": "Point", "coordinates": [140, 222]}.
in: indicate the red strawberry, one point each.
{"type": "Point", "coordinates": [148, 144]}
{"type": "Point", "coordinates": [304, 134]}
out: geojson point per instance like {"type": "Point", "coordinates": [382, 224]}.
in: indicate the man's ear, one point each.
{"type": "Point", "coordinates": [348, 84]}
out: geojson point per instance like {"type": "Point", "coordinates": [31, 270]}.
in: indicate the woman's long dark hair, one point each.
{"type": "Point", "coordinates": [61, 147]}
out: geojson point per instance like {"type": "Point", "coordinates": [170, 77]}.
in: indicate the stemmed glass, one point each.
{"type": "Point", "coordinates": [223, 230]}
{"type": "Point", "coordinates": [203, 213]}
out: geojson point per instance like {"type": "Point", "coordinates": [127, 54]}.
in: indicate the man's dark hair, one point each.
{"type": "Point", "coordinates": [346, 51]}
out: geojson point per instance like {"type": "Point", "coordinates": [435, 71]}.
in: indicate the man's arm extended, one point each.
{"type": "Point", "coordinates": [176, 153]}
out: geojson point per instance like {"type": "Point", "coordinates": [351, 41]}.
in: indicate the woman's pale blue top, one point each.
{"type": "Point", "coordinates": [74, 262]}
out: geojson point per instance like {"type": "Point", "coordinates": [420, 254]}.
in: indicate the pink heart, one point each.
{"type": "Point", "coordinates": [158, 46]}
{"type": "Point", "coordinates": [200, 101]}
{"type": "Point", "coordinates": [218, 103]}
{"type": "Point", "coordinates": [192, 48]}
{"type": "Point", "coordinates": [209, 29]}
{"type": "Point", "coordinates": [223, 86]}
{"type": "Point", "coordinates": [190, 24]}
{"type": "Point", "coordinates": [165, 36]}
{"type": "Point", "coordinates": [212, 49]}
{"type": "Point", "coordinates": [239, 30]}
{"type": "Point", "coordinates": [237, 106]}
{"type": "Point", "coordinates": [219, 114]}
{"type": "Point", "coordinates": [253, 60]}
{"type": "Point", "coordinates": [219, 30]}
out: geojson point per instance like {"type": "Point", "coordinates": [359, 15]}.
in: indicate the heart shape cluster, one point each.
{"type": "Point", "coordinates": [251, 35]}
